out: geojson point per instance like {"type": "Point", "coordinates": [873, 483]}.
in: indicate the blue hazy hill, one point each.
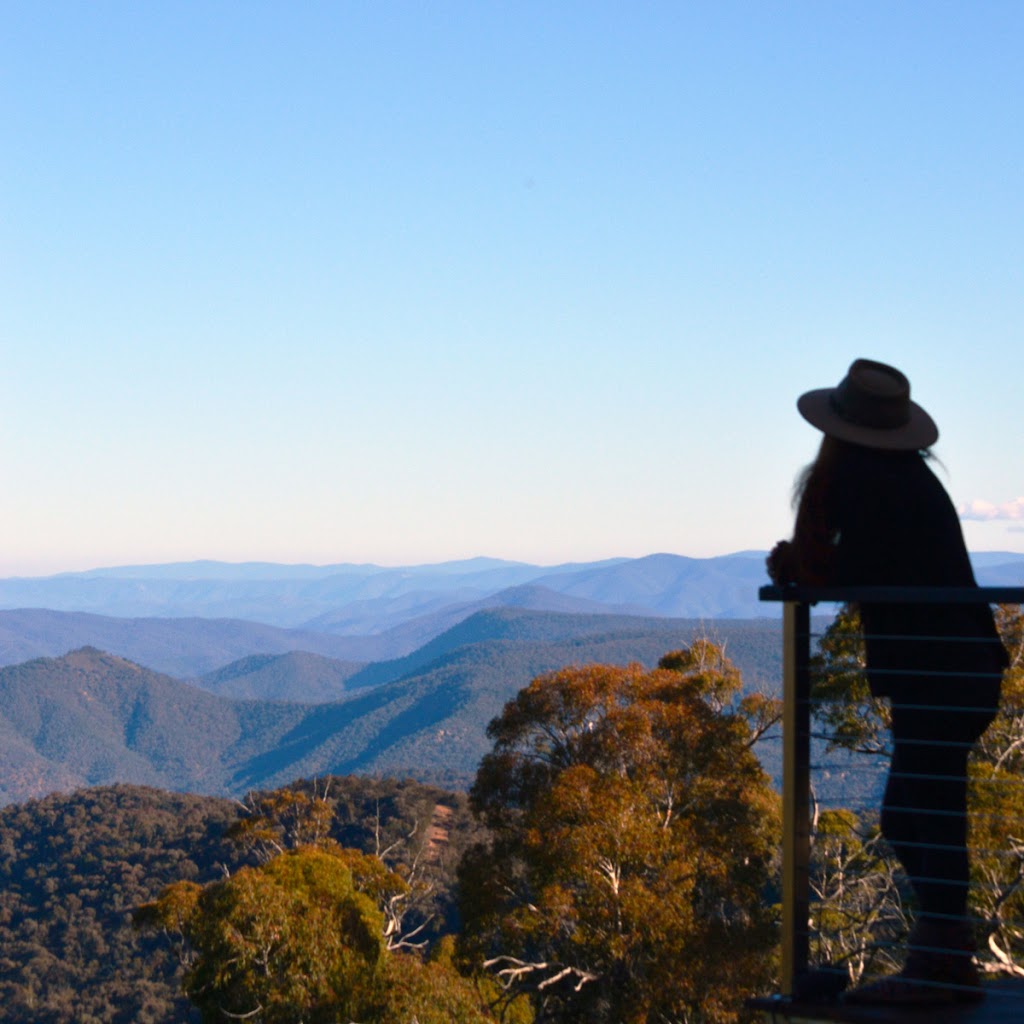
{"type": "Point", "coordinates": [363, 599]}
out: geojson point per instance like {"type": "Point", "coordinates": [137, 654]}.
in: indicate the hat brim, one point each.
{"type": "Point", "coordinates": [918, 432]}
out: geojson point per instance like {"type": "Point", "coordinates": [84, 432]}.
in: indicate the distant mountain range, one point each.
{"type": "Point", "coordinates": [361, 600]}
{"type": "Point", "coordinates": [414, 603]}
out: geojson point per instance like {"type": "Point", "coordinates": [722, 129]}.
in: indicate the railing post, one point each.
{"type": "Point", "coordinates": [796, 782]}
{"type": "Point", "coordinates": [797, 602]}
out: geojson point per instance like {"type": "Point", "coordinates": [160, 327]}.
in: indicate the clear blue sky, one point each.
{"type": "Point", "coordinates": [408, 282]}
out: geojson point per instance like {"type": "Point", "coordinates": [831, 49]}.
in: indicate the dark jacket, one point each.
{"type": "Point", "coordinates": [894, 525]}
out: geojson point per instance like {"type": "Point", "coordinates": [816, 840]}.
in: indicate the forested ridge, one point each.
{"type": "Point", "coordinates": [72, 868]}
{"type": "Point", "coordinates": [91, 717]}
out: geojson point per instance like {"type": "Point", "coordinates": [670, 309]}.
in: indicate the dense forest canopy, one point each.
{"type": "Point", "coordinates": [73, 867]}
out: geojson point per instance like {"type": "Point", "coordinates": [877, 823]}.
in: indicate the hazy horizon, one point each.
{"type": "Point", "coordinates": [985, 554]}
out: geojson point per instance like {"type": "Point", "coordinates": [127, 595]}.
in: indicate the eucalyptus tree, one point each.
{"type": "Point", "coordinates": [633, 837]}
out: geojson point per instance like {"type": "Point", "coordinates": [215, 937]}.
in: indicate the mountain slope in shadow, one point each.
{"type": "Point", "coordinates": [91, 718]}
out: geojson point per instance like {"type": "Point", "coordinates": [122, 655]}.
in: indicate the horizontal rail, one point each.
{"type": "Point", "coordinates": [893, 595]}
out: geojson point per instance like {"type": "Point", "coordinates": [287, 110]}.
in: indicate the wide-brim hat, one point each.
{"type": "Point", "coordinates": [870, 407]}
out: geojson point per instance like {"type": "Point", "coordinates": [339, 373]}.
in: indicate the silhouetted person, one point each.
{"type": "Point", "coordinates": [870, 511]}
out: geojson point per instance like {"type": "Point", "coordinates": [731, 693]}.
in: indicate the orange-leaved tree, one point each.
{"type": "Point", "coordinates": [633, 836]}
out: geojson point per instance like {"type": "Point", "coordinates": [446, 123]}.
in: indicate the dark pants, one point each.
{"type": "Point", "coordinates": [924, 811]}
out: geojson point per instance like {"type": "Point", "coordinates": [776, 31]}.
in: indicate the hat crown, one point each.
{"type": "Point", "coordinates": [873, 395]}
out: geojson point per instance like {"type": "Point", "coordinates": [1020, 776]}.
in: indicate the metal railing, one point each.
{"type": "Point", "coordinates": [804, 752]}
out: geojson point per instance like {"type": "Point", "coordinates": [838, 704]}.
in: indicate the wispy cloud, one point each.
{"type": "Point", "coordinates": [981, 509]}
